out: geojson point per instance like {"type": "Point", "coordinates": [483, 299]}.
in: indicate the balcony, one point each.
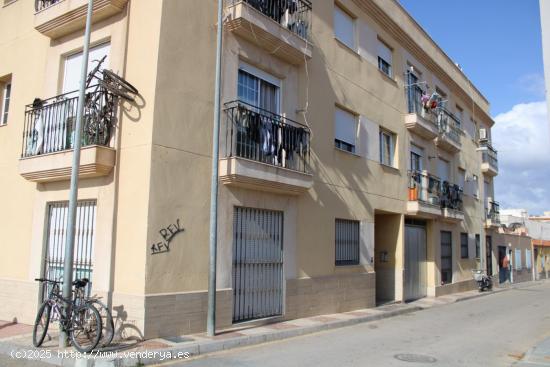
{"type": "Point", "coordinates": [282, 27]}
{"type": "Point", "coordinates": [57, 18]}
{"type": "Point", "coordinates": [489, 158]}
{"type": "Point", "coordinates": [48, 137]}
{"type": "Point", "coordinates": [419, 120]}
{"type": "Point", "coordinates": [492, 214]}
{"type": "Point", "coordinates": [264, 151]}
{"type": "Point", "coordinates": [431, 198]}
{"type": "Point", "coordinates": [449, 131]}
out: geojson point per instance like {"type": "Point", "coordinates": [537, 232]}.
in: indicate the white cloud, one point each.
{"type": "Point", "coordinates": [533, 84]}
{"type": "Point", "coordinates": [522, 137]}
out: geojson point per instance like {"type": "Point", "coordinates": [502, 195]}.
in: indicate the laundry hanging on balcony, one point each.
{"type": "Point", "coordinates": [430, 102]}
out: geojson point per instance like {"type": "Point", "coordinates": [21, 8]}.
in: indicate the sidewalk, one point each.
{"type": "Point", "coordinates": [539, 356]}
{"type": "Point", "coordinates": [16, 339]}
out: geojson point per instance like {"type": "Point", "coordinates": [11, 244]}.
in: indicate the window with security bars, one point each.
{"type": "Point", "coordinates": [478, 246]}
{"type": "Point", "coordinates": [347, 242]}
{"type": "Point", "coordinates": [464, 246]}
{"type": "Point", "coordinates": [56, 239]}
{"type": "Point", "coordinates": [446, 257]}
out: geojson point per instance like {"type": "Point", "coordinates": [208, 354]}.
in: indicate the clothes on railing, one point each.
{"type": "Point", "coordinates": [266, 138]}
{"type": "Point", "coordinates": [289, 13]}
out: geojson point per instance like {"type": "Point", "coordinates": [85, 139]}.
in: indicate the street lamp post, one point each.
{"type": "Point", "coordinates": [211, 316]}
{"type": "Point", "coordinates": [73, 196]}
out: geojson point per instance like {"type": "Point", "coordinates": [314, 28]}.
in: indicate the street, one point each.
{"type": "Point", "coordinates": [489, 331]}
{"type": "Point", "coordinates": [495, 330]}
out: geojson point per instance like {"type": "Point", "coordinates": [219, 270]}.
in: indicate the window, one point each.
{"type": "Point", "coordinates": [387, 148]}
{"type": "Point", "coordinates": [446, 257]}
{"type": "Point", "coordinates": [347, 242]}
{"type": "Point", "coordinates": [6, 95]}
{"type": "Point", "coordinates": [344, 27]}
{"type": "Point", "coordinates": [385, 59]}
{"type": "Point", "coordinates": [517, 259]}
{"type": "Point", "coordinates": [461, 178]}
{"type": "Point", "coordinates": [464, 246]}
{"type": "Point", "coordinates": [416, 158]}
{"type": "Point", "coordinates": [56, 237]}
{"type": "Point", "coordinates": [478, 246]}
{"type": "Point", "coordinates": [345, 130]}
{"type": "Point", "coordinates": [475, 186]}
{"type": "Point", "coordinates": [443, 169]}
{"type": "Point", "coordinates": [459, 114]}
{"type": "Point", "coordinates": [258, 89]}
{"type": "Point", "coordinates": [73, 65]}
{"type": "Point", "coordinates": [528, 259]}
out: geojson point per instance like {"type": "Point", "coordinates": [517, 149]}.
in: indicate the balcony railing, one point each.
{"type": "Point", "coordinates": [49, 124]}
{"type": "Point", "coordinates": [492, 212]}
{"type": "Point", "coordinates": [489, 154]}
{"type": "Point", "coordinates": [415, 105]}
{"type": "Point", "coordinates": [295, 15]}
{"type": "Point", "coordinates": [430, 189]}
{"type": "Point", "coordinates": [43, 4]}
{"type": "Point", "coordinates": [259, 135]}
{"type": "Point", "coordinates": [449, 125]}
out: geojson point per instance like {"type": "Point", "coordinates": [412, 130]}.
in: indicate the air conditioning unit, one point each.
{"type": "Point", "coordinates": [482, 134]}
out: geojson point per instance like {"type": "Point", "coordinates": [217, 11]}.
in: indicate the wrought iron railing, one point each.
{"type": "Point", "coordinates": [49, 124]}
{"type": "Point", "coordinates": [43, 4]}
{"type": "Point", "coordinates": [449, 125]}
{"type": "Point", "coordinates": [430, 189]}
{"type": "Point", "coordinates": [489, 154]}
{"type": "Point", "coordinates": [257, 134]}
{"type": "Point", "coordinates": [295, 15]}
{"type": "Point", "coordinates": [492, 212]}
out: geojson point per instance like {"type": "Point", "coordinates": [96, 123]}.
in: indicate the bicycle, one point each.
{"type": "Point", "coordinates": [107, 323]}
{"type": "Point", "coordinates": [100, 102]}
{"type": "Point", "coordinates": [81, 322]}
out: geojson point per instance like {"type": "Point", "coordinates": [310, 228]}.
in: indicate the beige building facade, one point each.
{"type": "Point", "coordinates": [356, 165]}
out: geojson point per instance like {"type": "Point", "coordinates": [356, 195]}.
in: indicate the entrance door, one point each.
{"type": "Point", "coordinates": [415, 262]}
{"type": "Point", "coordinates": [501, 272]}
{"type": "Point", "coordinates": [489, 254]}
{"type": "Point", "coordinates": [257, 264]}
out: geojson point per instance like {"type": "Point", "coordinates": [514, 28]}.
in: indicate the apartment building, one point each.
{"type": "Point", "coordinates": [356, 164]}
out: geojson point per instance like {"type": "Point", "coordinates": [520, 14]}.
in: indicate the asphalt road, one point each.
{"type": "Point", "coordinates": [489, 331]}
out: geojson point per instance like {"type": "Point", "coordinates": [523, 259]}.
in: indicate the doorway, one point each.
{"type": "Point", "coordinates": [415, 286]}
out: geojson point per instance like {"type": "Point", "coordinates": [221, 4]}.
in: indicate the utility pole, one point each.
{"type": "Point", "coordinates": [73, 196]}
{"type": "Point", "coordinates": [211, 316]}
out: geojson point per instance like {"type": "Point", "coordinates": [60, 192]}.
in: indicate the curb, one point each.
{"type": "Point", "coordinates": [196, 349]}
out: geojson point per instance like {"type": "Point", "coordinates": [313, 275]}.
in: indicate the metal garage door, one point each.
{"type": "Point", "coordinates": [415, 262]}
{"type": "Point", "coordinates": [257, 264]}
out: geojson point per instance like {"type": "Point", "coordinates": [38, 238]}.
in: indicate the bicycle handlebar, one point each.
{"type": "Point", "coordinates": [47, 280]}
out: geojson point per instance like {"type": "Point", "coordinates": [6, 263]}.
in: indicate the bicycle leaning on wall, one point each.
{"type": "Point", "coordinates": [80, 320]}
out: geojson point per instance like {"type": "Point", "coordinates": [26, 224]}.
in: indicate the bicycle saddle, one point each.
{"type": "Point", "coordinates": [80, 283]}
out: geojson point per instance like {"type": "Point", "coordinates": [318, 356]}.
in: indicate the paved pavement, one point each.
{"type": "Point", "coordinates": [488, 331]}
{"type": "Point", "coordinates": [494, 330]}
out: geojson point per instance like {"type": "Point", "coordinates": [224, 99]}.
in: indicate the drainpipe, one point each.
{"type": "Point", "coordinates": [211, 316]}
{"type": "Point", "coordinates": [73, 196]}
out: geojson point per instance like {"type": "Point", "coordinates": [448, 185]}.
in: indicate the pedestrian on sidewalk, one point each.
{"type": "Point", "coordinates": [506, 268]}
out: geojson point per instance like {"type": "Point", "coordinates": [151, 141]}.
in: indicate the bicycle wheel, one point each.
{"type": "Point", "coordinates": [107, 323]}
{"type": "Point", "coordinates": [120, 81]}
{"type": "Point", "coordinates": [85, 328]}
{"type": "Point", "coordinates": [115, 90]}
{"type": "Point", "coordinates": [41, 324]}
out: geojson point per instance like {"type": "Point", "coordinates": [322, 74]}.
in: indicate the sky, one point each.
{"type": "Point", "coordinates": [498, 45]}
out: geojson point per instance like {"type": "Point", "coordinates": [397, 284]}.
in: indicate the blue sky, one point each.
{"type": "Point", "coordinates": [498, 45]}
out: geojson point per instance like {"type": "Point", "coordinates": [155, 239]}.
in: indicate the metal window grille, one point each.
{"type": "Point", "coordinates": [56, 238]}
{"type": "Point", "coordinates": [464, 246]}
{"type": "Point", "coordinates": [478, 246]}
{"type": "Point", "coordinates": [446, 257]}
{"type": "Point", "coordinates": [257, 264]}
{"type": "Point", "coordinates": [347, 242]}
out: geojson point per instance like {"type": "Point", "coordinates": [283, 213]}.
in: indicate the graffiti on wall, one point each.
{"type": "Point", "coordinates": [168, 233]}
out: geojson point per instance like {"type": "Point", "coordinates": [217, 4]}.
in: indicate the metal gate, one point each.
{"type": "Point", "coordinates": [415, 262]}
{"type": "Point", "coordinates": [257, 264]}
{"type": "Point", "coordinates": [56, 238]}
